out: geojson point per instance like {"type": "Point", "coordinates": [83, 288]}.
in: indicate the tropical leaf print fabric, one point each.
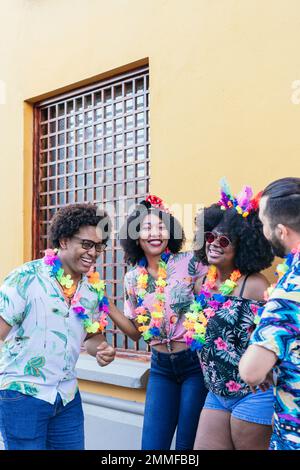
{"type": "Point", "coordinates": [182, 272]}
{"type": "Point", "coordinates": [38, 356]}
{"type": "Point", "coordinates": [227, 337]}
{"type": "Point", "coordinates": [279, 331]}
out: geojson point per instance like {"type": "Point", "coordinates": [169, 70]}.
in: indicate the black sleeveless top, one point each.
{"type": "Point", "coordinates": [227, 337]}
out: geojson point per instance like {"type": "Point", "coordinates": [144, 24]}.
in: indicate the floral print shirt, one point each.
{"type": "Point", "coordinates": [39, 354]}
{"type": "Point", "coordinates": [182, 272]}
{"type": "Point", "coordinates": [279, 331]}
{"type": "Point", "coordinates": [227, 337]}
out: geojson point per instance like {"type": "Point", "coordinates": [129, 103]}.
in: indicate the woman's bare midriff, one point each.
{"type": "Point", "coordinates": [175, 347]}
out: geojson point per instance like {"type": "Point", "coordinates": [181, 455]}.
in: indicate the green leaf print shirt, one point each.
{"type": "Point", "coordinates": [39, 355]}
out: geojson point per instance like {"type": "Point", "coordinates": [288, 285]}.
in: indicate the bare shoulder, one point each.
{"type": "Point", "coordinates": [256, 285]}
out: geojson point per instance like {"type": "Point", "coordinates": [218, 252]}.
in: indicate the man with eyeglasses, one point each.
{"type": "Point", "coordinates": [48, 307]}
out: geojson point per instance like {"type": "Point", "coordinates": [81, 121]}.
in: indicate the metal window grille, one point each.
{"type": "Point", "coordinates": [93, 145]}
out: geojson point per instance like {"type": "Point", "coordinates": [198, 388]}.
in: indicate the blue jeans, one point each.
{"type": "Point", "coordinates": [27, 423]}
{"type": "Point", "coordinates": [175, 397]}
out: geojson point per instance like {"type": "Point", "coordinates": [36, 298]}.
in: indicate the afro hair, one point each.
{"type": "Point", "coordinates": [253, 251]}
{"type": "Point", "coordinates": [69, 219]}
{"type": "Point", "coordinates": [129, 232]}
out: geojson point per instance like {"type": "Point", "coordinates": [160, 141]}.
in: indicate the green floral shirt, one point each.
{"type": "Point", "coordinates": [39, 355]}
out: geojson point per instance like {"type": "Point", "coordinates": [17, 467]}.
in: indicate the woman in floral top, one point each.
{"type": "Point", "coordinates": [233, 417]}
{"type": "Point", "coordinates": [158, 292]}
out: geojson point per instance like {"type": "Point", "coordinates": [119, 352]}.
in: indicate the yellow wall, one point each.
{"type": "Point", "coordinates": [220, 78]}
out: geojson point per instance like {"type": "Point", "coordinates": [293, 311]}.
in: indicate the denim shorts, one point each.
{"type": "Point", "coordinates": [255, 407]}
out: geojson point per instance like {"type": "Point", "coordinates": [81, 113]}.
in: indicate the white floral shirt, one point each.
{"type": "Point", "coordinates": [39, 355]}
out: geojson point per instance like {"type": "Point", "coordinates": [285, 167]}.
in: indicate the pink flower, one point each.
{"type": "Point", "coordinates": [79, 309]}
{"type": "Point", "coordinates": [209, 312]}
{"type": "Point", "coordinates": [156, 323]}
{"type": "Point", "coordinates": [227, 304]}
{"type": "Point", "coordinates": [140, 311]}
{"type": "Point", "coordinates": [76, 298]}
{"type": "Point", "coordinates": [221, 344]}
{"type": "Point", "coordinates": [205, 292]}
{"type": "Point", "coordinates": [49, 252]}
{"type": "Point", "coordinates": [254, 308]}
{"type": "Point", "coordinates": [103, 322]}
{"type": "Point", "coordinates": [233, 386]}
{"type": "Point", "coordinates": [188, 338]}
{"type": "Point", "coordinates": [214, 304]}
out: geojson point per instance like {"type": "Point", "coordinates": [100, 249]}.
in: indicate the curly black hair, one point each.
{"type": "Point", "coordinates": [69, 219]}
{"type": "Point", "coordinates": [253, 252]}
{"type": "Point", "coordinates": [129, 232]}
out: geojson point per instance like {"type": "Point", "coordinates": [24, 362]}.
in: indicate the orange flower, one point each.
{"type": "Point", "coordinates": [162, 273]}
{"type": "Point", "coordinates": [70, 291]}
{"type": "Point", "coordinates": [235, 275]}
{"type": "Point", "coordinates": [93, 277]}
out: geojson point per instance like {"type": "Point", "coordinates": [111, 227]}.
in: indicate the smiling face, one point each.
{"type": "Point", "coordinates": [77, 260]}
{"type": "Point", "coordinates": [154, 236]}
{"type": "Point", "coordinates": [217, 255]}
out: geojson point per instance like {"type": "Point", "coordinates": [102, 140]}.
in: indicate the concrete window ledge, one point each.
{"type": "Point", "coordinates": [113, 403]}
{"type": "Point", "coordinates": [121, 372]}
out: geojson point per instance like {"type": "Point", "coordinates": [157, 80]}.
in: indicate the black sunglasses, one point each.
{"type": "Point", "coordinates": [210, 237]}
{"type": "Point", "coordinates": [89, 244]}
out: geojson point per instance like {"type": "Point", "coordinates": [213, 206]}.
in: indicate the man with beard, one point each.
{"type": "Point", "coordinates": [276, 340]}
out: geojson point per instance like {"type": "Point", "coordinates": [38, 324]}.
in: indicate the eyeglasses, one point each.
{"type": "Point", "coordinates": [210, 237]}
{"type": "Point", "coordinates": [89, 244]}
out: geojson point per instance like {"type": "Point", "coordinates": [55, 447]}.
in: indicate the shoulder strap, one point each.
{"type": "Point", "coordinates": [244, 285]}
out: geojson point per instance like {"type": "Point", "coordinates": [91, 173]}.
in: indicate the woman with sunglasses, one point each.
{"type": "Point", "coordinates": [158, 291]}
{"type": "Point", "coordinates": [229, 296]}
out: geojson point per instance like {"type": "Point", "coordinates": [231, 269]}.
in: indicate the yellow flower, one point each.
{"type": "Point", "coordinates": [161, 283]}
{"type": "Point", "coordinates": [202, 319]}
{"type": "Point", "coordinates": [199, 328]}
{"type": "Point", "coordinates": [157, 314]}
{"type": "Point", "coordinates": [142, 318]}
{"type": "Point", "coordinates": [142, 281]}
{"type": "Point", "coordinates": [158, 307]}
{"type": "Point", "coordinates": [162, 273]}
{"type": "Point", "coordinates": [143, 328]}
{"type": "Point", "coordinates": [93, 328]}
{"type": "Point", "coordinates": [189, 325]}
{"type": "Point", "coordinates": [191, 316]}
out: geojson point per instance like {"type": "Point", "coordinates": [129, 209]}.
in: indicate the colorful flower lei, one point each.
{"type": "Point", "coordinates": [52, 260]}
{"type": "Point", "coordinates": [203, 309]}
{"type": "Point", "coordinates": [150, 325]}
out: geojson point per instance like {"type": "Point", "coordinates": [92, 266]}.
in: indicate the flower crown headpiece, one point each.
{"type": "Point", "coordinates": [244, 203]}
{"type": "Point", "coordinates": [157, 203]}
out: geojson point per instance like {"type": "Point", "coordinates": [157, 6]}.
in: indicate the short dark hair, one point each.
{"type": "Point", "coordinates": [133, 253]}
{"type": "Point", "coordinates": [283, 203]}
{"type": "Point", "coordinates": [253, 252]}
{"type": "Point", "coordinates": [69, 219]}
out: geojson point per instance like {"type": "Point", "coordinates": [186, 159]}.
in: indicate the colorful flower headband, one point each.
{"type": "Point", "coordinates": [244, 202]}
{"type": "Point", "coordinates": [157, 203]}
